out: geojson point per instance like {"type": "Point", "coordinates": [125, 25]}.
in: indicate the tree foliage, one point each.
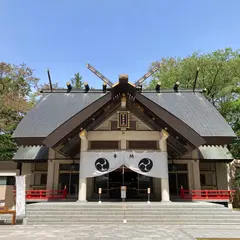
{"type": "Point", "coordinates": [219, 73]}
{"type": "Point", "coordinates": [47, 86]}
{"type": "Point", "coordinates": [19, 91]}
{"type": "Point", "coordinates": [7, 147]}
{"type": "Point", "coordinates": [77, 81]}
{"type": "Point", "coordinates": [16, 85]}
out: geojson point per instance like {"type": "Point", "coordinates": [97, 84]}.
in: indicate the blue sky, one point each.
{"type": "Point", "coordinates": [115, 36]}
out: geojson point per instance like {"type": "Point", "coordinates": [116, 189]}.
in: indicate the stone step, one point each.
{"type": "Point", "coordinates": [133, 223]}
{"type": "Point", "coordinates": [146, 208]}
{"type": "Point", "coordinates": [189, 217]}
{"type": "Point", "coordinates": [142, 220]}
{"type": "Point", "coordinates": [62, 212]}
{"type": "Point", "coordinates": [160, 213]}
{"type": "Point", "coordinates": [72, 213]}
{"type": "Point", "coordinates": [113, 206]}
{"type": "Point", "coordinates": [128, 210]}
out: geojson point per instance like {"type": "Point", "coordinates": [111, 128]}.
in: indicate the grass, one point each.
{"type": "Point", "coordinates": [236, 209]}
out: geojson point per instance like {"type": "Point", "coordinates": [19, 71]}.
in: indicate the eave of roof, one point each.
{"type": "Point", "coordinates": [41, 153]}
{"type": "Point", "coordinates": [214, 153]}
{"type": "Point", "coordinates": [195, 110]}
{"type": "Point", "coordinates": [52, 111]}
{"type": "Point", "coordinates": [172, 120]}
{"type": "Point", "coordinates": [56, 108]}
{"type": "Point", "coordinates": [30, 153]}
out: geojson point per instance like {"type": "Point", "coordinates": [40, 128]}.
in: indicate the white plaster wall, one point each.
{"type": "Point", "coordinates": [41, 166]}
{"type": "Point", "coordinates": [121, 135]}
{"type": "Point", "coordinates": [8, 168]}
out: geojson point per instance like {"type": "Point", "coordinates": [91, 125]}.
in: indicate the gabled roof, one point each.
{"type": "Point", "coordinates": [195, 110]}
{"type": "Point", "coordinates": [56, 119]}
{"type": "Point", "coordinates": [71, 127]}
{"type": "Point", "coordinates": [56, 108]}
{"type": "Point", "coordinates": [50, 112]}
{"type": "Point", "coordinates": [170, 121]}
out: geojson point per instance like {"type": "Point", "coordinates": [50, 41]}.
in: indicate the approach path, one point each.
{"type": "Point", "coordinates": [116, 232]}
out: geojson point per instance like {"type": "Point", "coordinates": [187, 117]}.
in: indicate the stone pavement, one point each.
{"type": "Point", "coordinates": [121, 231]}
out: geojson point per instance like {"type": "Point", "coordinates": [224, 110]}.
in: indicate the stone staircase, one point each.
{"type": "Point", "coordinates": [173, 213]}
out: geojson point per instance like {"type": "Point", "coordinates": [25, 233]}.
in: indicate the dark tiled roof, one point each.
{"type": "Point", "coordinates": [195, 110]}
{"type": "Point", "coordinates": [52, 111]}
{"type": "Point", "coordinates": [31, 153]}
{"type": "Point", "coordinates": [56, 108]}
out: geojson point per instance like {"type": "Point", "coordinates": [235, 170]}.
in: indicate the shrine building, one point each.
{"type": "Point", "coordinates": [122, 136]}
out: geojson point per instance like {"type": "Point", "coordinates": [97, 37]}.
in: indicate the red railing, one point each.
{"type": "Point", "coordinates": [45, 194]}
{"type": "Point", "coordinates": [207, 195]}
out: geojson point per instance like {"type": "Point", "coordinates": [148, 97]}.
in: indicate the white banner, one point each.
{"type": "Point", "coordinates": [93, 164]}
{"type": "Point", "coordinates": [152, 164]}
{"type": "Point", "coordinates": [20, 196]}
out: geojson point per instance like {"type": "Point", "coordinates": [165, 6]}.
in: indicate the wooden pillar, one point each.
{"type": "Point", "coordinates": [82, 193]}
{"type": "Point", "coordinates": [196, 171]}
{"type": "Point", "coordinates": [50, 174]}
{"type": "Point", "coordinates": [164, 181]}
{"type": "Point", "coordinates": [27, 170]}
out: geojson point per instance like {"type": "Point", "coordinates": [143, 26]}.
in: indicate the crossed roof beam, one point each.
{"type": "Point", "coordinates": [124, 77]}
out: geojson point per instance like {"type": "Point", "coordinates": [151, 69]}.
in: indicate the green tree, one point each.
{"type": "Point", "coordinates": [219, 73]}
{"type": "Point", "coordinates": [36, 95]}
{"type": "Point", "coordinates": [77, 81]}
{"type": "Point", "coordinates": [16, 85]}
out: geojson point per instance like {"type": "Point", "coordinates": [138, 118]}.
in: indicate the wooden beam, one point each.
{"type": "Point", "coordinates": [83, 134]}
{"type": "Point", "coordinates": [175, 140]}
{"type": "Point", "coordinates": [140, 114]}
{"type": "Point", "coordinates": [71, 145]}
{"type": "Point", "coordinates": [164, 134]}
{"type": "Point", "coordinates": [73, 123]}
{"type": "Point", "coordinates": [148, 74]}
{"type": "Point", "coordinates": [97, 73]}
{"type": "Point", "coordinates": [123, 135]}
{"type": "Point", "coordinates": [107, 112]}
{"type": "Point", "coordinates": [171, 120]}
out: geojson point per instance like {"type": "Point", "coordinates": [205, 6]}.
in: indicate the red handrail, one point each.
{"type": "Point", "coordinates": [207, 194]}
{"type": "Point", "coordinates": [45, 194]}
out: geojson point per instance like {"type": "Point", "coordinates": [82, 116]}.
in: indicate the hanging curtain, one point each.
{"type": "Point", "coordinates": [93, 164]}
{"type": "Point", "coordinates": [152, 164]}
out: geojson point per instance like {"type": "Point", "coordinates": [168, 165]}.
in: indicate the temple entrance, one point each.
{"type": "Point", "coordinates": [123, 177]}
{"type": "Point", "coordinates": [69, 177]}
{"type": "Point", "coordinates": [111, 183]}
